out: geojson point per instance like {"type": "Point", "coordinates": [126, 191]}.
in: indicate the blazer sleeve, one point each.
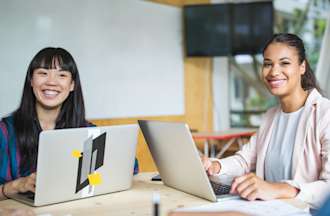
{"type": "Point", "coordinates": [315, 192]}
{"type": "Point", "coordinates": [242, 162]}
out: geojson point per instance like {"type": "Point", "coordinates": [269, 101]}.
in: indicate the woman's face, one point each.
{"type": "Point", "coordinates": [281, 71]}
{"type": "Point", "coordinates": [51, 86]}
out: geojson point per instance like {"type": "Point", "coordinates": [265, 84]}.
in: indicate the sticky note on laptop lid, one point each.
{"type": "Point", "coordinates": [95, 179]}
{"type": "Point", "coordinates": [76, 154]}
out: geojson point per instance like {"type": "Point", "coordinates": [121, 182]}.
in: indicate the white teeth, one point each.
{"type": "Point", "coordinates": [50, 92]}
{"type": "Point", "coordinates": [276, 81]}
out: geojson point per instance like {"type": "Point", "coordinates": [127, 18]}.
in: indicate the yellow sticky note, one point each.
{"type": "Point", "coordinates": [76, 154]}
{"type": "Point", "coordinates": [95, 179]}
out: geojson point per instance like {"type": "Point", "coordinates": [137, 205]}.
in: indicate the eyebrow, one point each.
{"type": "Point", "coordinates": [281, 59]}
{"type": "Point", "coordinates": [46, 68]}
{"type": "Point", "coordinates": [285, 58]}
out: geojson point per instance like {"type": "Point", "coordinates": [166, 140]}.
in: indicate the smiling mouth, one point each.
{"type": "Point", "coordinates": [276, 83]}
{"type": "Point", "coordinates": [50, 93]}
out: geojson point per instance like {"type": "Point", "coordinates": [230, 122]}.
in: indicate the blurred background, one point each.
{"type": "Point", "coordinates": [194, 61]}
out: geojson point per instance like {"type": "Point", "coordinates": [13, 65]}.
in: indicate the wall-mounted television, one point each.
{"type": "Point", "coordinates": [227, 29]}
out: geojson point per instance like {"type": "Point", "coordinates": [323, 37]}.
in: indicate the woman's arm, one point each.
{"type": "Point", "coordinates": [239, 164]}
{"type": "Point", "coordinates": [8, 185]}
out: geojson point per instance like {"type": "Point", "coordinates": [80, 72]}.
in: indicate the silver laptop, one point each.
{"type": "Point", "coordinates": [177, 158]}
{"type": "Point", "coordinates": [83, 162]}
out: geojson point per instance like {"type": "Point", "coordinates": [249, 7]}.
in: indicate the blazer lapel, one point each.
{"type": "Point", "coordinates": [305, 123]}
{"type": "Point", "coordinates": [298, 149]}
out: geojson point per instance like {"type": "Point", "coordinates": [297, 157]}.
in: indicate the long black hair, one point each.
{"type": "Point", "coordinates": [26, 123]}
{"type": "Point", "coordinates": [308, 80]}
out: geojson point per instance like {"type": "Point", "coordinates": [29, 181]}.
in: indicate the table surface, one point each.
{"type": "Point", "coordinates": [136, 201]}
{"type": "Point", "coordinates": [225, 134]}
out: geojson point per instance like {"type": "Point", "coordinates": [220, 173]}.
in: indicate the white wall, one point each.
{"type": "Point", "coordinates": [220, 84]}
{"type": "Point", "coordinates": [323, 66]}
{"type": "Point", "coordinates": [129, 52]}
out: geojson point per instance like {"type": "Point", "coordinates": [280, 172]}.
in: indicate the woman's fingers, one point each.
{"type": "Point", "coordinates": [253, 195]}
{"type": "Point", "coordinates": [239, 180]}
{"type": "Point", "coordinates": [28, 183]}
{"type": "Point", "coordinates": [207, 164]}
{"type": "Point", "coordinates": [251, 187]}
{"type": "Point", "coordinates": [245, 187]}
{"type": "Point", "coordinates": [33, 176]}
{"type": "Point", "coordinates": [32, 182]}
{"type": "Point", "coordinates": [249, 191]}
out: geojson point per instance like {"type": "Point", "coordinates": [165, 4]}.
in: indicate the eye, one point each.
{"type": "Point", "coordinates": [267, 64]}
{"type": "Point", "coordinates": [63, 74]}
{"type": "Point", "coordinates": [42, 72]}
{"type": "Point", "coordinates": [285, 63]}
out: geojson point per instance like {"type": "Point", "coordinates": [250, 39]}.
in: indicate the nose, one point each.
{"type": "Point", "coordinates": [52, 78]}
{"type": "Point", "coordinates": [275, 70]}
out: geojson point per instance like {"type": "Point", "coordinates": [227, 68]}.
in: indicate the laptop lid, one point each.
{"type": "Point", "coordinates": [84, 162]}
{"type": "Point", "coordinates": [176, 156]}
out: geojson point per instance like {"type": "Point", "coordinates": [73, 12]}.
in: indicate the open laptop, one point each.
{"type": "Point", "coordinates": [82, 162]}
{"type": "Point", "coordinates": [177, 159]}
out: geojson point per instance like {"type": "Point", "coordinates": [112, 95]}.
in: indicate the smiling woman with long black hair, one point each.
{"type": "Point", "coordinates": [52, 99]}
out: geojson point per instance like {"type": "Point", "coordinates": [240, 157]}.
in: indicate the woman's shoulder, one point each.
{"type": "Point", "coordinates": [8, 119]}
{"type": "Point", "coordinates": [323, 111]}
{"type": "Point", "coordinates": [324, 103]}
{"type": "Point", "coordinates": [316, 98]}
{"type": "Point", "coordinates": [6, 125]}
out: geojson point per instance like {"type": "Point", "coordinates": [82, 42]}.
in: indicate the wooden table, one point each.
{"type": "Point", "coordinates": [230, 136]}
{"type": "Point", "coordinates": [134, 202]}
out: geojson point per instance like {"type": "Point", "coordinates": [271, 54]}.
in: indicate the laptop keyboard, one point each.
{"type": "Point", "coordinates": [220, 189]}
{"type": "Point", "coordinates": [28, 194]}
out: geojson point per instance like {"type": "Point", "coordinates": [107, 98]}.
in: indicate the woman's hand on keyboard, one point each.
{"type": "Point", "coordinates": [25, 184]}
{"type": "Point", "coordinates": [21, 185]}
{"type": "Point", "coordinates": [211, 167]}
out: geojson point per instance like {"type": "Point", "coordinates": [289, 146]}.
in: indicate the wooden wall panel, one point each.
{"type": "Point", "coordinates": [198, 93]}
{"type": "Point", "coordinates": [192, 2]}
{"type": "Point", "coordinates": [178, 3]}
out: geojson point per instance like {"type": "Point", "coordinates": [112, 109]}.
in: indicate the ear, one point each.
{"type": "Point", "coordinates": [72, 86]}
{"type": "Point", "coordinates": [302, 68]}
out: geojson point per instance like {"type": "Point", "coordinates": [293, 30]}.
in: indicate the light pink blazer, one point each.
{"type": "Point", "coordinates": [311, 154]}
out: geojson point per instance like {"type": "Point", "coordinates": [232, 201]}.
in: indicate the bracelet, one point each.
{"type": "Point", "coordinates": [3, 191]}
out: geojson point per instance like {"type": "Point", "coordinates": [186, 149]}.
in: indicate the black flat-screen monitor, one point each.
{"type": "Point", "coordinates": [227, 29]}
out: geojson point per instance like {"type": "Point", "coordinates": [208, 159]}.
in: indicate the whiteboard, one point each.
{"type": "Point", "coordinates": [129, 52]}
